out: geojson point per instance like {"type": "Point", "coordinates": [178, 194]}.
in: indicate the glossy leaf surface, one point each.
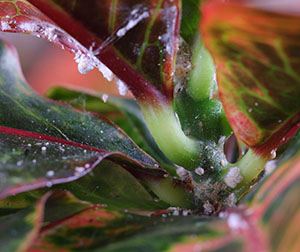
{"type": "Point", "coordinates": [257, 60]}
{"type": "Point", "coordinates": [22, 108]}
{"type": "Point", "coordinates": [29, 161]}
{"type": "Point", "coordinates": [124, 112]}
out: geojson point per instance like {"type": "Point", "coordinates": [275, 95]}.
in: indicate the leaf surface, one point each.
{"type": "Point", "coordinates": [265, 222]}
{"type": "Point", "coordinates": [28, 115]}
{"type": "Point", "coordinates": [257, 60]}
{"type": "Point", "coordinates": [111, 184]}
{"type": "Point", "coordinates": [190, 20]}
{"type": "Point", "coordinates": [30, 161]}
{"type": "Point", "coordinates": [117, 231]}
{"type": "Point", "coordinates": [275, 202]}
{"type": "Point", "coordinates": [137, 41]}
{"type": "Point", "coordinates": [124, 112]}
{"type": "Point", "coordinates": [22, 228]}
{"type": "Point", "coordinates": [21, 108]}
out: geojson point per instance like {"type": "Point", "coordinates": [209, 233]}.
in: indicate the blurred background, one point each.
{"type": "Point", "coordinates": [45, 65]}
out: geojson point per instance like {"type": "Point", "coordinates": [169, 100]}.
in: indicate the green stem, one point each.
{"type": "Point", "coordinates": [245, 171]}
{"type": "Point", "coordinates": [169, 192]}
{"type": "Point", "coordinates": [201, 83]}
{"type": "Point", "coordinates": [167, 132]}
{"type": "Point", "coordinates": [251, 165]}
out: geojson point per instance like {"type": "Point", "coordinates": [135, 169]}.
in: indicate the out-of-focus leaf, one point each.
{"type": "Point", "coordinates": [22, 108]}
{"type": "Point", "coordinates": [136, 40]}
{"type": "Point", "coordinates": [256, 53]}
{"type": "Point", "coordinates": [275, 202]}
{"type": "Point", "coordinates": [18, 202]}
{"type": "Point", "coordinates": [124, 112]}
{"type": "Point", "coordinates": [60, 205]}
{"type": "Point", "coordinates": [21, 229]}
{"type": "Point", "coordinates": [89, 228]}
{"type": "Point", "coordinates": [96, 228]}
{"type": "Point", "coordinates": [105, 230]}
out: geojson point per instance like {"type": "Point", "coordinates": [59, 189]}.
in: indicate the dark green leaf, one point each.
{"type": "Point", "coordinates": [29, 161]}
{"type": "Point", "coordinates": [52, 147]}
{"type": "Point", "coordinates": [111, 184]}
{"type": "Point", "coordinates": [124, 112]}
{"type": "Point", "coordinates": [190, 20]}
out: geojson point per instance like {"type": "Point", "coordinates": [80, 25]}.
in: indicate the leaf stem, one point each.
{"type": "Point", "coordinates": [202, 80]}
{"type": "Point", "coordinates": [169, 136]}
{"type": "Point", "coordinates": [244, 172]}
{"type": "Point", "coordinates": [251, 165]}
{"type": "Point", "coordinates": [167, 190]}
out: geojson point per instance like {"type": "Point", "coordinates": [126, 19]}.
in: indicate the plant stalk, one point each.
{"type": "Point", "coordinates": [167, 132]}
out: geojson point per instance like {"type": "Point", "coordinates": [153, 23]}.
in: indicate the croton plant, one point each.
{"type": "Point", "coordinates": [190, 163]}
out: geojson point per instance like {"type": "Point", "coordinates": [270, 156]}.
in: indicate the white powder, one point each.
{"type": "Point", "coordinates": [233, 177]}
{"type": "Point", "coordinates": [122, 87]}
{"type": "Point", "coordinates": [104, 98]}
{"type": "Point", "coordinates": [236, 222]}
{"type": "Point", "coordinates": [199, 171]}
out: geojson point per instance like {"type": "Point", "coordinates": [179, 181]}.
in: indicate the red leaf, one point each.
{"type": "Point", "coordinates": [256, 53]}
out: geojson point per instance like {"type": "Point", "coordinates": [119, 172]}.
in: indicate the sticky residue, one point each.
{"type": "Point", "coordinates": [132, 22]}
